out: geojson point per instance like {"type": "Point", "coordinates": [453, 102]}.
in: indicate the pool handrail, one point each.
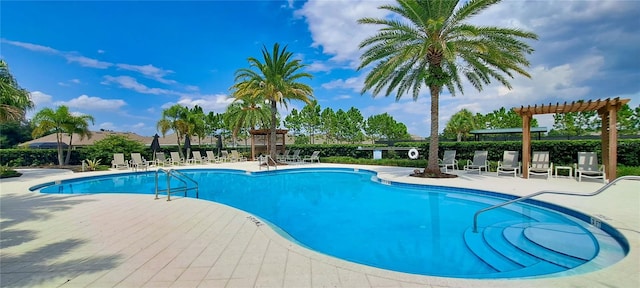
{"type": "Point", "coordinates": [605, 187]}
{"type": "Point", "coordinates": [180, 177]}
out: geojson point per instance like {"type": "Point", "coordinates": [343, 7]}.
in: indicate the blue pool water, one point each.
{"type": "Point", "coordinates": [408, 228]}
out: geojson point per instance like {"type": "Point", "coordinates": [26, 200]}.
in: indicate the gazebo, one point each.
{"type": "Point", "coordinates": [265, 133]}
{"type": "Point", "coordinates": [607, 109]}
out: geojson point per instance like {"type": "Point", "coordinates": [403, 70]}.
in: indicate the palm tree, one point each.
{"type": "Point", "coordinates": [431, 45]}
{"type": "Point", "coordinates": [174, 118]}
{"type": "Point", "coordinates": [14, 101]}
{"type": "Point", "coordinates": [461, 123]}
{"type": "Point", "coordinates": [274, 80]}
{"type": "Point", "coordinates": [246, 114]}
{"type": "Point", "coordinates": [78, 125]}
{"type": "Point", "coordinates": [48, 121]}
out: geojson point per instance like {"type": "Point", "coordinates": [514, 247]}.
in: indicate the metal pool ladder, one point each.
{"type": "Point", "coordinates": [605, 187]}
{"type": "Point", "coordinates": [171, 173]}
{"type": "Point", "coordinates": [265, 159]}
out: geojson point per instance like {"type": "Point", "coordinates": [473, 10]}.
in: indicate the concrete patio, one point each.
{"type": "Point", "coordinates": [124, 240]}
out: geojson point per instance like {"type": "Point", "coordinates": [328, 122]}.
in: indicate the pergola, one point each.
{"type": "Point", "coordinates": [265, 133]}
{"type": "Point", "coordinates": [607, 109]}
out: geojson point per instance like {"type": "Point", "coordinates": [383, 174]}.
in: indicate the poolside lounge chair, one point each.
{"type": "Point", "coordinates": [138, 162]}
{"type": "Point", "coordinates": [161, 160]}
{"type": "Point", "coordinates": [212, 158]}
{"type": "Point", "coordinates": [225, 156]}
{"type": "Point", "coordinates": [197, 158]}
{"type": "Point", "coordinates": [295, 157]}
{"type": "Point", "coordinates": [448, 160]}
{"type": "Point", "coordinates": [118, 161]}
{"type": "Point", "coordinates": [479, 162]}
{"type": "Point", "coordinates": [236, 157]}
{"type": "Point", "coordinates": [283, 157]}
{"type": "Point", "coordinates": [315, 156]}
{"type": "Point", "coordinates": [540, 164]}
{"type": "Point", "coordinates": [176, 159]}
{"type": "Point", "coordinates": [588, 167]}
{"type": "Point", "coordinates": [509, 163]}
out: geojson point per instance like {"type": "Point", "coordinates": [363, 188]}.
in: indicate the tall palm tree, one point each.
{"type": "Point", "coordinates": [274, 80]}
{"type": "Point", "coordinates": [78, 125]}
{"type": "Point", "coordinates": [174, 118]}
{"type": "Point", "coordinates": [430, 45]}
{"type": "Point", "coordinates": [48, 121]}
{"type": "Point", "coordinates": [14, 101]}
{"type": "Point", "coordinates": [247, 114]}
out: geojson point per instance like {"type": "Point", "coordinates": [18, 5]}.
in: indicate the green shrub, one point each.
{"type": "Point", "coordinates": [6, 172]}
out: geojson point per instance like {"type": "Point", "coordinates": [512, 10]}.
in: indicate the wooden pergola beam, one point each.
{"type": "Point", "coordinates": [607, 110]}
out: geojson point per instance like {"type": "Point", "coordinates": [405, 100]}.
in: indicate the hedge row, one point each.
{"type": "Point", "coordinates": [561, 152]}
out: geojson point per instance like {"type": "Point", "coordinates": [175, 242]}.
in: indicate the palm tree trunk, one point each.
{"type": "Point", "coordinates": [272, 137]}
{"type": "Point", "coordinates": [59, 138]}
{"type": "Point", "coordinates": [432, 164]}
{"type": "Point", "coordinates": [66, 160]}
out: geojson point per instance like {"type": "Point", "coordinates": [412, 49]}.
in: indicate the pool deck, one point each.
{"type": "Point", "coordinates": [123, 240]}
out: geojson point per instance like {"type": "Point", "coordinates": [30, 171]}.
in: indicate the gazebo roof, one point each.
{"type": "Point", "coordinates": [571, 107]}
{"type": "Point", "coordinates": [267, 131]}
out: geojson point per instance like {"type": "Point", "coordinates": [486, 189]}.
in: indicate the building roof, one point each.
{"type": "Point", "coordinates": [507, 130]}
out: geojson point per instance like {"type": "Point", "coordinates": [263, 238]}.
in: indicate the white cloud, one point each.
{"type": "Point", "coordinates": [93, 103]}
{"type": "Point", "coordinates": [32, 47]}
{"type": "Point", "coordinates": [342, 97]}
{"type": "Point", "coordinates": [150, 71]}
{"type": "Point", "coordinates": [40, 98]}
{"type": "Point", "coordinates": [131, 83]}
{"type": "Point", "coordinates": [87, 62]}
{"type": "Point", "coordinates": [217, 103]}
{"type": "Point", "coordinates": [108, 126]}
{"type": "Point", "coordinates": [100, 51]}
{"type": "Point", "coordinates": [340, 34]}
{"type": "Point", "coordinates": [353, 83]}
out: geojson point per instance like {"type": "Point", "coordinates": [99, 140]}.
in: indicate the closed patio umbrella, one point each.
{"type": "Point", "coordinates": [219, 144]}
{"type": "Point", "coordinates": [187, 146]}
{"type": "Point", "coordinates": [155, 145]}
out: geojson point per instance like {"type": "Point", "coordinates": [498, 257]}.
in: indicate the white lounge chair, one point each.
{"type": "Point", "coordinates": [211, 158]}
{"type": "Point", "coordinates": [176, 159]}
{"type": "Point", "coordinates": [236, 157]}
{"type": "Point", "coordinates": [588, 167]}
{"type": "Point", "coordinates": [479, 162]}
{"type": "Point", "coordinates": [197, 158]}
{"type": "Point", "coordinates": [509, 163]}
{"type": "Point", "coordinates": [295, 157]}
{"type": "Point", "coordinates": [540, 164]}
{"type": "Point", "coordinates": [448, 160]}
{"type": "Point", "coordinates": [283, 157]}
{"type": "Point", "coordinates": [161, 160]}
{"type": "Point", "coordinates": [138, 162]}
{"type": "Point", "coordinates": [225, 156]}
{"type": "Point", "coordinates": [118, 161]}
{"type": "Point", "coordinates": [315, 156]}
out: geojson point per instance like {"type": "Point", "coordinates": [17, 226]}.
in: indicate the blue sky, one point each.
{"type": "Point", "coordinates": [124, 62]}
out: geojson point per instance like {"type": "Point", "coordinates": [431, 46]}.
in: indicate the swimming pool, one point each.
{"type": "Point", "coordinates": [353, 215]}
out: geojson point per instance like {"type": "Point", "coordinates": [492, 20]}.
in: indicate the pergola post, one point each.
{"type": "Point", "coordinates": [526, 144]}
{"type": "Point", "coordinates": [609, 135]}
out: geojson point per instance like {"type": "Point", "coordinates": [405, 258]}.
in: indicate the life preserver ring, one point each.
{"type": "Point", "coordinates": [413, 153]}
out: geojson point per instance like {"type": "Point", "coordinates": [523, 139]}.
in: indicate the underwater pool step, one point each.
{"type": "Point", "coordinates": [477, 244]}
{"type": "Point", "coordinates": [556, 236]}
{"type": "Point", "coordinates": [516, 236]}
{"type": "Point", "coordinates": [495, 239]}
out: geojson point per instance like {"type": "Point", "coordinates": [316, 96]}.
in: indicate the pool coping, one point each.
{"type": "Point", "coordinates": [621, 274]}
